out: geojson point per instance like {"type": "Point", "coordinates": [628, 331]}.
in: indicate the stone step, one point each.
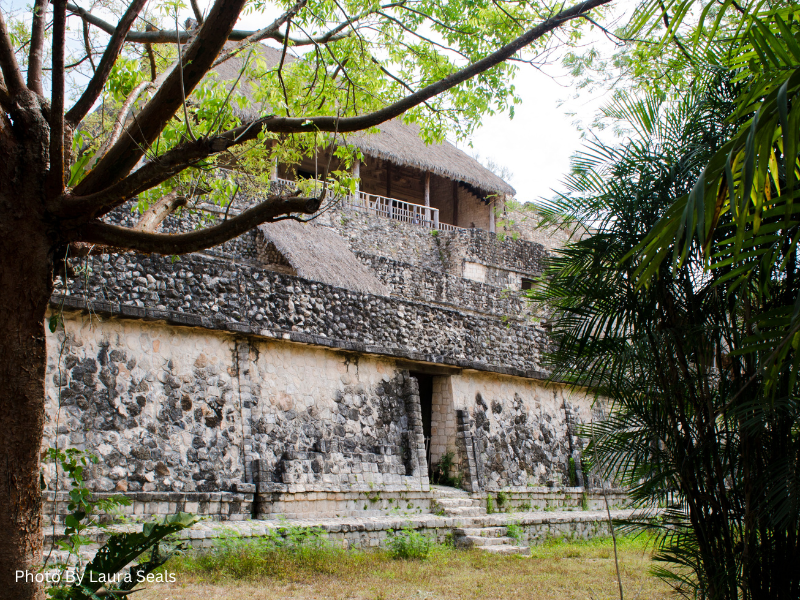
{"type": "Point", "coordinates": [454, 502]}
{"type": "Point", "coordinates": [448, 492]}
{"type": "Point", "coordinates": [465, 511]}
{"type": "Point", "coordinates": [505, 550]}
{"type": "Point", "coordinates": [477, 540]}
{"type": "Point", "coordinates": [487, 532]}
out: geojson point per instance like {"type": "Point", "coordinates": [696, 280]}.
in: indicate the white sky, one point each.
{"type": "Point", "coordinates": [537, 144]}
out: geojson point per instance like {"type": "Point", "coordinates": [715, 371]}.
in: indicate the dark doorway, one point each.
{"type": "Point", "coordinates": [426, 404]}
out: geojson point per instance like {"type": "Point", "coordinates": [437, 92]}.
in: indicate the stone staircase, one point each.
{"type": "Point", "coordinates": [488, 539]}
{"type": "Point", "coordinates": [452, 502]}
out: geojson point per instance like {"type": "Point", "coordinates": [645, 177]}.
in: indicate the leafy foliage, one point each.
{"type": "Point", "coordinates": [84, 510]}
{"type": "Point", "coordinates": [107, 571]}
{"type": "Point", "coordinates": [685, 427]}
{"type": "Point", "coordinates": [410, 543]}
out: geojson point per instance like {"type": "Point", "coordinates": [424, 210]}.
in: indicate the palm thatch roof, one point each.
{"type": "Point", "coordinates": [320, 254]}
{"type": "Point", "coordinates": [400, 143]}
{"type": "Point", "coordinates": [397, 142]}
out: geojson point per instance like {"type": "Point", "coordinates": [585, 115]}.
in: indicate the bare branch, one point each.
{"type": "Point", "coordinates": [95, 86]}
{"type": "Point", "coordinates": [197, 60]}
{"type": "Point", "coordinates": [183, 86]}
{"type": "Point", "coordinates": [198, 14]}
{"type": "Point", "coordinates": [163, 36]}
{"type": "Point", "coordinates": [119, 123]}
{"type": "Point", "coordinates": [8, 62]}
{"type": "Point", "coordinates": [272, 209]}
{"type": "Point", "coordinates": [151, 56]}
{"type": "Point", "coordinates": [88, 44]}
{"type": "Point", "coordinates": [35, 55]}
{"type": "Point", "coordinates": [55, 176]}
{"type": "Point", "coordinates": [280, 65]}
{"type": "Point", "coordinates": [262, 34]}
{"type": "Point", "coordinates": [155, 215]}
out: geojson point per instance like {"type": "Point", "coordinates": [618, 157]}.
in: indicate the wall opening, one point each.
{"type": "Point", "coordinates": [426, 404]}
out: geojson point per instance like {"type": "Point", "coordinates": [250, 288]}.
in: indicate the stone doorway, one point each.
{"type": "Point", "coordinates": [425, 383]}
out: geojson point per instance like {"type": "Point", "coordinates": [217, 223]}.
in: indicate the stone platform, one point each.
{"type": "Point", "coordinates": [373, 532]}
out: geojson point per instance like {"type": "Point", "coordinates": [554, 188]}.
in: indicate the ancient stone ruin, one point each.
{"type": "Point", "coordinates": [324, 369]}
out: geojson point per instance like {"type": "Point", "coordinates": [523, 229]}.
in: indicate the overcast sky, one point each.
{"type": "Point", "coordinates": [536, 145]}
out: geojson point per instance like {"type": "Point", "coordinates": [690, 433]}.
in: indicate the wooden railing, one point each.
{"type": "Point", "coordinates": [392, 208]}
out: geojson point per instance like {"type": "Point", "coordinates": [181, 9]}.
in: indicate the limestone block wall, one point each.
{"type": "Point", "coordinates": [443, 419]}
{"type": "Point", "coordinates": [522, 432]}
{"type": "Point", "coordinates": [325, 421]}
{"type": "Point", "coordinates": [472, 211]}
{"type": "Point", "coordinates": [443, 251]}
{"type": "Point", "coordinates": [180, 409]}
{"type": "Point", "coordinates": [404, 242]}
{"type": "Point", "coordinates": [464, 293]}
{"type": "Point", "coordinates": [159, 406]}
{"type": "Point", "coordinates": [524, 224]}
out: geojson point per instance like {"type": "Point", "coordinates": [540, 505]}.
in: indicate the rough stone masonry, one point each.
{"type": "Point", "coordinates": [224, 384]}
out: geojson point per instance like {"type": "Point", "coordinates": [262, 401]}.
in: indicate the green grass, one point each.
{"type": "Point", "coordinates": [558, 570]}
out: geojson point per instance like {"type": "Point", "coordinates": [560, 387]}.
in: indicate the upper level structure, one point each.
{"type": "Point", "coordinates": [401, 177]}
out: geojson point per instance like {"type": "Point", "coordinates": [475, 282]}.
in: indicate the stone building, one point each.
{"type": "Point", "coordinates": [320, 368]}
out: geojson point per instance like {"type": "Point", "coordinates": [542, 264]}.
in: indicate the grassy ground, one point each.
{"type": "Point", "coordinates": [557, 570]}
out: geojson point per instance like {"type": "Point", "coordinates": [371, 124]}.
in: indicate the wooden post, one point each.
{"type": "Point", "coordinates": [455, 203]}
{"type": "Point", "coordinates": [390, 204]}
{"type": "Point", "coordinates": [491, 217]}
{"type": "Point", "coordinates": [357, 177]}
{"type": "Point", "coordinates": [273, 174]}
{"type": "Point", "coordinates": [427, 197]}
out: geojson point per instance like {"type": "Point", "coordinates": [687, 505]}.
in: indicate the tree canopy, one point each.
{"type": "Point", "coordinates": [112, 102]}
{"type": "Point", "coordinates": [680, 303]}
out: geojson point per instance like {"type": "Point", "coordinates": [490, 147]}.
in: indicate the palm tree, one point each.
{"type": "Point", "coordinates": [690, 425]}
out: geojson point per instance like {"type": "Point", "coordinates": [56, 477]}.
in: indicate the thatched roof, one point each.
{"type": "Point", "coordinates": [397, 142]}
{"type": "Point", "coordinates": [320, 254]}
{"type": "Point", "coordinates": [401, 144]}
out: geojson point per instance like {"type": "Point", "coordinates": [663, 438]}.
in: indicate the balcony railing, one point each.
{"type": "Point", "coordinates": [392, 208]}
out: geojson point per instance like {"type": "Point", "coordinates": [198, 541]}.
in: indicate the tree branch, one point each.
{"type": "Point", "coordinates": [249, 131]}
{"type": "Point", "coordinates": [97, 232]}
{"type": "Point", "coordinates": [165, 36]}
{"type": "Point", "coordinates": [196, 62]}
{"type": "Point", "coordinates": [93, 204]}
{"type": "Point", "coordinates": [119, 123]}
{"type": "Point", "coordinates": [55, 176]}
{"type": "Point", "coordinates": [88, 44]}
{"type": "Point", "coordinates": [198, 14]}
{"type": "Point", "coordinates": [261, 34]}
{"type": "Point", "coordinates": [95, 86]}
{"type": "Point", "coordinates": [155, 215]}
{"type": "Point", "coordinates": [8, 62]}
{"type": "Point", "coordinates": [37, 47]}
{"type": "Point", "coordinates": [5, 99]}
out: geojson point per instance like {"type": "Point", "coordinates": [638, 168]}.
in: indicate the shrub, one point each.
{"type": "Point", "coordinates": [441, 471]}
{"type": "Point", "coordinates": [409, 543]}
{"type": "Point", "coordinates": [502, 498]}
{"type": "Point", "coordinates": [514, 531]}
{"type": "Point", "coordinates": [573, 473]}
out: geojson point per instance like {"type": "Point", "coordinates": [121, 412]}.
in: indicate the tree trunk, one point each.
{"type": "Point", "coordinates": [25, 288]}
